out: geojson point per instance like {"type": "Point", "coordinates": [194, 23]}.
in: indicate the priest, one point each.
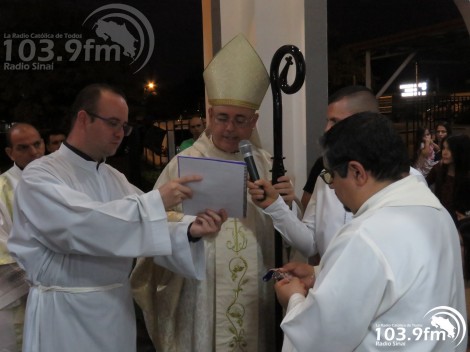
{"type": "Point", "coordinates": [78, 224]}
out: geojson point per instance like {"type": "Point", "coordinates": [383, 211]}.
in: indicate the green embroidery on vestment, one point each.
{"type": "Point", "coordinates": [238, 267]}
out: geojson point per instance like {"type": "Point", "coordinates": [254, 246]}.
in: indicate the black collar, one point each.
{"type": "Point", "coordinates": [78, 152]}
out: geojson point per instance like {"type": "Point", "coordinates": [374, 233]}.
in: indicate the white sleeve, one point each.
{"type": "Point", "coordinates": [294, 300]}
{"type": "Point", "coordinates": [295, 232]}
{"type": "Point", "coordinates": [68, 221]}
{"type": "Point", "coordinates": [324, 319]}
{"type": "Point", "coordinates": [187, 259]}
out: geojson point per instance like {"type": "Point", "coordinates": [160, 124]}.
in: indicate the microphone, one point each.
{"type": "Point", "coordinates": [245, 148]}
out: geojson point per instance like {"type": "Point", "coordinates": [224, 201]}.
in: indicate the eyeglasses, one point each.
{"type": "Point", "coordinates": [113, 122]}
{"type": "Point", "coordinates": [238, 121]}
{"type": "Point", "coordinates": [327, 176]}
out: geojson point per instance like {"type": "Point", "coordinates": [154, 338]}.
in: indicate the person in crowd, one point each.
{"type": "Point", "coordinates": [232, 309]}
{"type": "Point", "coordinates": [196, 127]}
{"type": "Point", "coordinates": [443, 130]}
{"type": "Point", "coordinates": [371, 276]}
{"type": "Point", "coordinates": [54, 139]}
{"type": "Point", "coordinates": [451, 176]}
{"type": "Point", "coordinates": [78, 224]}
{"type": "Point", "coordinates": [424, 151]}
{"type": "Point", "coordinates": [24, 144]}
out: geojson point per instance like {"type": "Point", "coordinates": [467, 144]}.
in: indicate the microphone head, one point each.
{"type": "Point", "coordinates": [245, 147]}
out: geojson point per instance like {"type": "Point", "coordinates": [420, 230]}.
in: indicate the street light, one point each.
{"type": "Point", "coordinates": [150, 88]}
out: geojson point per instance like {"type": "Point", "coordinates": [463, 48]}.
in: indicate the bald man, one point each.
{"type": "Point", "coordinates": [24, 144]}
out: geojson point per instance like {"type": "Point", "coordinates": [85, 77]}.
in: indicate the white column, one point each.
{"type": "Point", "coordinates": [268, 25]}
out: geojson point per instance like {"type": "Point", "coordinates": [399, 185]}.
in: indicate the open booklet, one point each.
{"type": "Point", "coordinates": [223, 185]}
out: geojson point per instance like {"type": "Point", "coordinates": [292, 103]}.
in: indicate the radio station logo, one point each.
{"type": "Point", "coordinates": [121, 33]}
{"type": "Point", "coordinates": [449, 320]}
{"type": "Point", "coordinates": [443, 323]}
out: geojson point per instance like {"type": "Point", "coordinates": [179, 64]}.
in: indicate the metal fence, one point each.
{"type": "Point", "coordinates": [427, 111]}
{"type": "Point", "coordinates": [408, 114]}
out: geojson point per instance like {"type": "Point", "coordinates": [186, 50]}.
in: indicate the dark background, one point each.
{"type": "Point", "coordinates": [394, 29]}
{"type": "Point", "coordinates": [43, 97]}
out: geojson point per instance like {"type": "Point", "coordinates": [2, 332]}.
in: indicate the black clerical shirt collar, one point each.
{"type": "Point", "coordinates": [82, 154]}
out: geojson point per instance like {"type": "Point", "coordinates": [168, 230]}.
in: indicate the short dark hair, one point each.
{"type": "Point", "coordinates": [348, 91]}
{"type": "Point", "coordinates": [370, 139]}
{"type": "Point", "coordinates": [53, 132]}
{"type": "Point", "coordinates": [356, 98]}
{"type": "Point", "coordinates": [88, 97]}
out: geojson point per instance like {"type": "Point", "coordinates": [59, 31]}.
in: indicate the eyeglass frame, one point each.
{"type": "Point", "coordinates": [328, 176]}
{"type": "Point", "coordinates": [113, 122]}
{"type": "Point", "coordinates": [234, 121]}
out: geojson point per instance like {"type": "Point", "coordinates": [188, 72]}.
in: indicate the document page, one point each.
{"type": "Point", "coordinates": [223, 185]}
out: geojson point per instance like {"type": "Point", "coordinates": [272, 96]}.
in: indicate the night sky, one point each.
{"type": "Point", "coordinates": [359, 20]}
{"type": "Point", "coordinates": [177, 61]}
{"type": "Point", "coordinates": [439, 61]}
{"type": "Point", "coordinates": [176, 64]}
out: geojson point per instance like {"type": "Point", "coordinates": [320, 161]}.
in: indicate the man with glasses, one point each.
{"type": "Point", "coordinates": [324, 214]}
{"type": "Point", "coordinates": [232, 309]}
{"type": "Point", "coordinates": [392, 273]}
{"type": "Point", "coordinates": [24, 144]}
{"type": "Point", "coordinates": [78, 225]}
{"type": "Point", "coordinates": [196, 127]}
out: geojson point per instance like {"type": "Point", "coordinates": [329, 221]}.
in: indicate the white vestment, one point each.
{"type": "Point", "coordinates": [77, 227]}
{"type": "Point", "coordinates": [13, 287]}
{"type": "Point", "coordinates": [233, 309]}
{"type": "Point", "coordinates": [395, 261]}
{"type": "Point", "coordinates": [324, 216]}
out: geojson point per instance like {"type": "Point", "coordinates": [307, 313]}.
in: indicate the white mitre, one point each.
{"type": "Point", "coordinates": [236, 76]}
